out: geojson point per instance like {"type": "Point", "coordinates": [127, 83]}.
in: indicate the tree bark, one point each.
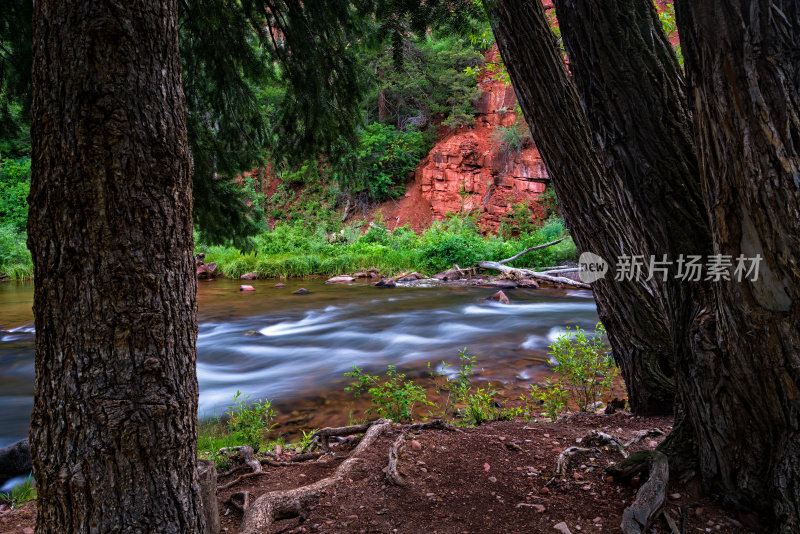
{"type": "Point", "coordinates": [599, 218]}
{"type": "Point", "coordinates": [744, 77]}
{"type": "Point", "coordinates": [114, 425]}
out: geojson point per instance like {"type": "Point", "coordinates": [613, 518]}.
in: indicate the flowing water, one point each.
{"type": "Point", "coordinates": [294, 349]}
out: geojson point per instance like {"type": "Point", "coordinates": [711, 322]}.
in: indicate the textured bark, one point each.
{"type": "Point", "coordinates": [113, 430]}
{"type": "Point", "coordinates": [744, 77]}
{"type": "Point", "coordinates": [599, 218]}
{"type": "Point", "coordinates": [634, 94]}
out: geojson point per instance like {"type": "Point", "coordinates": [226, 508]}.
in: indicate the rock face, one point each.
{"type": "Point", "coordinates": [469, 170]}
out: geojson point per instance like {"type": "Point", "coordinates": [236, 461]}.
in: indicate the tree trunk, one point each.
{"type": "Point", "coordinates": [114, 425]}
{"type": "Point", "coordinates": [744, 77]}
{"type": "Point", "coordinates": [600, 220]}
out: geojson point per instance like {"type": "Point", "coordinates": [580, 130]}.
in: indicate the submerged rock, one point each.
{"type": "Point", "coordinates": [246, 288]}
{"type": "Point", "coordinates": [499, 297]}
{"type": "Point", "coordinates": [302, 291]}
{"type": "Point", "coordinates": [279, 285]}
{"type": "Point", "coordinates": [410, 277]}
{"type": "Point", "coordinates": [339, 280]}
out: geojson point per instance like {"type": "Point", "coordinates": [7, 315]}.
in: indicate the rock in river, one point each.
{"type": "Point", "coordinates": [339, 280]}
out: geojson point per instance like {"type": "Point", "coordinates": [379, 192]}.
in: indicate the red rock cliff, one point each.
{"type": "Point", "coordinates": [466, 171]}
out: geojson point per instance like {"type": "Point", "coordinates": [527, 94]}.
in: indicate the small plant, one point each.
{"type": "Point", "coordinates": [249, 422]}
{"type": "Point", "coordinates": [21, 493]}
{"type": "Point", "coordinates": [552, 399]}
{"type": "Point", "coordinates": [479, 405]}
{"type": "Point", "coordinates": [305, 439]}
{"type": "Point", "coordinates": [393, 397]}
{"type": "Point", "coordinates": [584, 364]}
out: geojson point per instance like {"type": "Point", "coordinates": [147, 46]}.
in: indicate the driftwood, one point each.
{"type": "Point", "coordinates": [276, 505]}
{"type": "Point", "coordinates": [527, 273]}
{"type": "Point", "coordinates": [550, 244]}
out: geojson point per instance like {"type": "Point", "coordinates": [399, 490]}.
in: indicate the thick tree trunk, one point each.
{"type": "Point", "coordinates": [633, 92]}
{"type": "Point", "coordinates": [113, 431]}
{"type": "Point", "coordinates": [744, 77]}
{"type": "Point", "coordinates": [600, 220]}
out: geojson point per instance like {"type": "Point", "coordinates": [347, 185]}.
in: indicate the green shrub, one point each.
{"type": "Point", "coordinates": [584, 364]}
{"type": "Point", "coordinates": [249, 422]}
{"type": "Point", "coordinates": [478, 405]}
{"type": "Point", "coordinates": [14, 187]}
{"type": "Point", "coordinates": [392, 396]}
{"type": "Point", "coordinates": [15, 258]}
{"type": "Point", "coordinates": [552, 399]}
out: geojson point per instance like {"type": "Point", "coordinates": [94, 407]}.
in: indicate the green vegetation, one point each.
{"type": "Point", "coordinates": [249, 422]}
{"type": "Point", "coordinates": [15, 259]}
{"type": "Point", "coordinates": [584, 368]}
{"type": "Point", "coordinates": [21, 493]}
{"type": "Point", "coordinates": [303, 249]}
{"type": "Point", "coordinates": [393, 396]}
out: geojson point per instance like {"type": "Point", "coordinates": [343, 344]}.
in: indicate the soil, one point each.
{"type": "Point", "coordinates": [493, 478]}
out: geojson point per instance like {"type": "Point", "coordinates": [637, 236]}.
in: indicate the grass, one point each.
{"type": "Point", "coordinates": [21, 493]}
{"type": "Point", "coordinates": [295, 251]}
{"type": "Point", "coordinates": [15, 259]}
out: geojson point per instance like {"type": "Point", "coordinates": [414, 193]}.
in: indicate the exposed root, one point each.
{"type": "Point", "coordinates": [246, 455]}
{"type": "Point", "coordinates": [642, 434]}
{"type": "Point", "coordinates": [277, 505]}
{"type": "Point", "coordinates": [392, 475]}
{"type": "Point", "coordinates": [562, 465]}
{"type": "Point", "coordinates": [598, 439]}
{"type": "Point", "coordinates": [319, 439]}
{"type": "Point", "coordinates": [240, 500]}
{"type": "Point", "coordinates": [651, 496]}
{"type": "Point", "coordinates": [436, 424]}
{"type": "Point", "coordinates": [673, 527]}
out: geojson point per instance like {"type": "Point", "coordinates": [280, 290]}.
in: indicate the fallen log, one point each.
{"type": "Point", "coordinates": [527, 273]}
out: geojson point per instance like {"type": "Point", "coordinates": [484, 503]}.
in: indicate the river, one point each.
{"type": "Point", "coordinates": [294, 349]}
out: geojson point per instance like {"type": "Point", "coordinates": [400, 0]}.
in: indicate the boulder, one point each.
{"type": "Point", "coordinates": [339, 280]}
{"type": "Point", "coordinates": [211, 268]}
{"type": "Point", "coordinates": [528, 282]}
{"type": "Point", "coordinates": [503, 283]}
{"type": "Point", "coordinates": [15, 460]}
{"type": "Point", "coordinates": [386, 282]}
{"type": "Point", "coordinates": [449, 274]}
{"type": "Point", "coordinates": [249, 276]}
{"type": "Point", "coordinates": [302, 291]}
{"type": "Point", "coordinates": [499, 297]}
{"type": "Point", "coordinates": [246, 288]}
{"type": "Point", "coordinates": [410, 277]}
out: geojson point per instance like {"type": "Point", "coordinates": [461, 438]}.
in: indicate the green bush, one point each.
{"type": "Point", "coordinates": [248, 423]}
{"type": "Point", "coordinates": [478, 406]}
{"type": "Point", "coordinates": [15, 184]}
{"type": "Point", "coordinates": [584, 364]}
{"type": "Point", "coordinates": [15, 258]}
{"type": "Point", "coordinates": [552, 398]}
{"type": "Point", "coordinates": [392, 396]}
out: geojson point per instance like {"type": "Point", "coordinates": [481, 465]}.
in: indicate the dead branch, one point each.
{"type": "Point", "coordinates": [651, 496]}
{"type": "Point", "coordinates": [277, 505]}
{"type": "Point", "coordinates": [435, 424]}
{"type": "Point", "coordinates": [392, 475]}
{"type": "Point", "coordinates": [550, 244]}
{"type": "Point", "coordinates": [527, 273]}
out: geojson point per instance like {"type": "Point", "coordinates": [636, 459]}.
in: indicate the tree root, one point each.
{"type": "Point", "coordinates": [319, 439]}
{"type": "Point", "coordinates": [277, 505]}
{"type": "Point", "coordinates": [642, 434]}
{"type": "Point", "coordinates": [393, 477]}
{"type": "Point", "coordinates": [233, 500]}
{"type": "Point", "coordinates": [562, 465]}
{"type": "Point", "coordinates": [247, 456]}
{"type": "Point", "coordinates": [598, 439]}
{"type": "Point", "coordinates": [435, 424]}
{"type": "Point", "coordinates": [651, 496]}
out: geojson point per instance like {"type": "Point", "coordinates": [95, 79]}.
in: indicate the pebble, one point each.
{"type": "Point", "coordinates": [486, 467]}
{"type": "Point", "coordinates": [27, 530]}
{"type": "Point", "coordinates": [539, 508]}
{"type": "Point", "coordinates": [675, 496]}
{"type": "Point", "coordinates": [544, 491]}
{"type": "Point", "coordinates": [587, 487]}
{"type": "Point", "coordinates": [562, 527]}
{"type": "Point", "coordinates": [492, 479]}
{"type": "Point", "coordinates": [597, 519]}
{"type": "Point", "coordinates": [416, 445]}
